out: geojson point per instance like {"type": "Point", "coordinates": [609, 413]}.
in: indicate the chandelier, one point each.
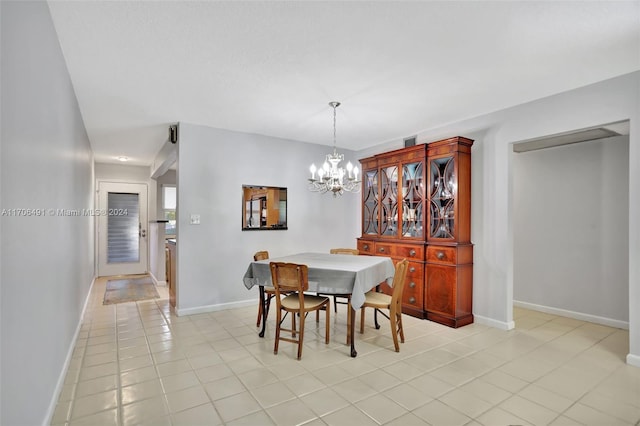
{"type": "Point", "coordinates": [331, 177]}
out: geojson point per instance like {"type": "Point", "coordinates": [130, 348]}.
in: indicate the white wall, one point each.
{"type": "Point", "coordinates": [570, 228]}
{"type": "Point", "coordinates": [164, 159]}
{"type": "Point", "coordinates": [134, 174]}
{"type": "Point", "coordinates": [47, 261]}
{"type": "Point", "coordinates": [492, 198]}
{"type": "Point", "coordinates": [213, 165]}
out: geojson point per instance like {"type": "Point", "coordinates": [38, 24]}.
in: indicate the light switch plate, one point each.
{"type": "Point", "coordinates": [195, 219]}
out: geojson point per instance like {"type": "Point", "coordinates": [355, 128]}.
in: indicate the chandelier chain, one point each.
{"type": "Point", "coordinates": [334, 127]}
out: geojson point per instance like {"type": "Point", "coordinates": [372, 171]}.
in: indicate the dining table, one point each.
{"type": "Point", "coordinates": [329, 274]}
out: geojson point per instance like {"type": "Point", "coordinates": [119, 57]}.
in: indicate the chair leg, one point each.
{"type": "Point", "coordinates": [293, 324]}
{"type": "Point", "coordinates": [259, 314]}
{"type": "Point", "coordinates": [300, 334]}
{"type": "Point", "coordinates": [327, 322]}
{"type": "Point", "coordinates": [266, 313]}
{"type": "Point", "coordinates": [262, 312]}
{"type": "Point", "coordinates": [277, 339]}
{"type": "Point", "coordinates": [394, 332]}
{"type": "Point", "coordinates": [400, 329]}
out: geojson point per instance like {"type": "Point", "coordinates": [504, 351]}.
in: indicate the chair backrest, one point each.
{"type": "Point", "coordinates": [288, 277]}
{"type": "Point", "coordinates": [261, 255]}
{"type": "Point", "coordinates": [344, 251]}
{"type": "Point", "coordinates": [398, 283]}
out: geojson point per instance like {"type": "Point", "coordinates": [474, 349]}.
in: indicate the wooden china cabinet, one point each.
{"type": "Point", "coordinates": [394, 214]}
{"type": "Point", "coordinates": [449, 276]}
{"type": "Point", "coordinates": [416, 204]}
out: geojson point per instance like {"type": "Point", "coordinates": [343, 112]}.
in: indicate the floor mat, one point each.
{"type": "Point", "coordinates": [129, 290]}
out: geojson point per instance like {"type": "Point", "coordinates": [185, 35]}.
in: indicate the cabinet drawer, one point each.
{"type": "Point", "coordinates": [415, 271]}
{"type": "Point", "coordinates": [408, 251]}
{"type": "Point", "coordinates": [441, 254]}
{"type": "Point", "coordinates": [366, 247]}
{"type": "Point", "coordinates": [384, 249]}
{"type": "Point", "coordinates": [412, 293]}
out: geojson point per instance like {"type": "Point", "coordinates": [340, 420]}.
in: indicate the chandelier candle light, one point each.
{"type": "Point", "coordinates": [332, 177]}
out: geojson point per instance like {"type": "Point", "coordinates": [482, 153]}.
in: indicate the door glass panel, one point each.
{"type": "Point", "coordinates": [123, 232]}
{"type": "Point", "coordinates": [442, 192]}
{"type": "Point", "coordinates": [370, 223]}
{"type": "Point", "coordinates": [389, 200]}
{"type": "Point", "coordinates": [412, 202]}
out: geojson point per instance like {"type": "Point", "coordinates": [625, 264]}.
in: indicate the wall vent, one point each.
{"type": "Point", "coordinates": [410, 141]}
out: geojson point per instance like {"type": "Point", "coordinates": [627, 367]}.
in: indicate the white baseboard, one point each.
{"type": "Point", "coordinates": [633, 360]}
{"type": "Point", "coordinates": [156, 281]}
{"type": "Point", "coordinates": [490, 322]}
{"type": "Point", "coordinates": [214, 308]}
{"type": "Point", "coordinates": [575, 315]}
{"type": "Point", "coordinates": [63, 374]}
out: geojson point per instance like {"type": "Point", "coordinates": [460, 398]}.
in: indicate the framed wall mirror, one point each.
{"type": "Point", "coordinates": [264, 208]}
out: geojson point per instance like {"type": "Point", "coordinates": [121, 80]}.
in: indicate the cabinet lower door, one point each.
{"type": "Point", "coordinates": [448, 295]}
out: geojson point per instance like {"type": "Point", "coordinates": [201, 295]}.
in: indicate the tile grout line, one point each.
{"type": "Point", "coordinates": [558, 367]}
{"type": "Point", "coordinates": [76, 383]}
{"type": "Point", "coordinates": [155, 365]}
{"type": "Point", "coordinates": [457, 387]}
{"type": "Point", "coordinates": [120, 418]}
{"type": "Point", "coordinates": [567, 362]}
{"type": "Point", "coordinates": [193, 369]}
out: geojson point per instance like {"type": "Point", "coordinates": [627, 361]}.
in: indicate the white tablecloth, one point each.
{"type": "Point", "coordinates": [331, 273]}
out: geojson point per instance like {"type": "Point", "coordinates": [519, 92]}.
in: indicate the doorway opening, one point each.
{"type": "Point", "coordinates": [122, 228]}
{"type": "Point", "coordinates": [570, 212]}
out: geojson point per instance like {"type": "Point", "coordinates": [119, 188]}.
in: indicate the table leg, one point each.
{"type": "Point", "coordinates": [352, 327]}
{"type": "Point", "coordinates": [349, 331]}
{"type": "Point", "coordinates": [264, 312]}
{"type": "Point", "coordinates": [375, 312]}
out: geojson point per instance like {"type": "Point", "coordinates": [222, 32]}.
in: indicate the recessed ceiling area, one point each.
{"type": "Point", "coordinates": [605, 131]}
{"type": "Point", "coordinates": [271, 68]}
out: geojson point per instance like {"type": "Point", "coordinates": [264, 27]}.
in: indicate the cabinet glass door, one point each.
{"type": "Point", "coordinates": [370, 209]}
{"type": "Point", "coordinates": [412, 200]}
{"type": "Point", "coordinates": [442, 192]}
{"type": "Point", "coordinates": [389, 201]}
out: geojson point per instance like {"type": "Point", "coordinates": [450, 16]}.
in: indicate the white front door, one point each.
{"type": "Point", "coordinates": [122, 228]}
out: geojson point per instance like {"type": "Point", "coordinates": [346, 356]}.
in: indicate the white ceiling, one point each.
{"type": "Point", "coordinates": [272, 67]}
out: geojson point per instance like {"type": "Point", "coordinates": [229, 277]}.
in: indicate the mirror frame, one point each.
{"type": "Point", "coordinates": [265, 196]}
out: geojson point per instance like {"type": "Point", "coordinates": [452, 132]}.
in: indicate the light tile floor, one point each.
{"type": "Point", "coordinates": [138, 363]}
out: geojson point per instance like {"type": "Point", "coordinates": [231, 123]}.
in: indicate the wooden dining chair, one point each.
{"type": "Point", "coordinates": [269, 291]}
{"type": "Point", "coordinates": [391, 303]}
{"type": "Point", "coordinates": [354, 252]}
{"type": "Point", "coordinates": [294, 278]}
{"type": "Point", "coordinates": [344, 251]}
{"type": "Point", "coordinates": [344, 299]}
